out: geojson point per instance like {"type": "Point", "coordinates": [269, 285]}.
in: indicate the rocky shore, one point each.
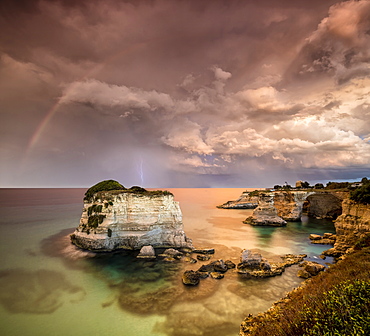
{"type": "Point", "coordinates": [326, 239]}
{"type": "Point", "coordinates": [277, 207]}
{"type": "Point", "coordinates": [251, 265]}
{"type": "Point", "coordinates": [351, 248]}
{"type": "Point", "coordinates": [350, 226]}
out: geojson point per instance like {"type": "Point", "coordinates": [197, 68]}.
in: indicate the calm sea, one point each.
{"type": "Point", "coordinates": [49, 287]}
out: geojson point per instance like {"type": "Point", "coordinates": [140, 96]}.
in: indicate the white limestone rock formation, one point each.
{"type": "Point", "coordinates": [277, 207]}
{"type": "Point", "coordinates": [247, 200]}
{"type": "Point", "coordinates": [265, 214]}
{"type": "Point", "coordinates": [130, 219]}
{"type": "Point", "coordinates": [146, 252]}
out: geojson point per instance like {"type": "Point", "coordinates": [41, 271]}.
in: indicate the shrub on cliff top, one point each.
{"type": "Point", "coordinates": [103, 186]}
{"type": "Point", "coordinates": [362, 194]}
{"type": "Point", "coordinates": [138, 189]}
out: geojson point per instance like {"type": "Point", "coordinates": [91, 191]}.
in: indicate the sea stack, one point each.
{"type": "Point", "coordinates": [114, 217]}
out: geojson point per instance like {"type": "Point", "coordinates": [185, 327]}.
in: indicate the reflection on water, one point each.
{"type": "Point", "coordinates": [45, 281]}
{"type": "Point", "coordinates": [36, 292]}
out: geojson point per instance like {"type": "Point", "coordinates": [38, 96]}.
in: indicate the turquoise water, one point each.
{"type": "Point", "coordinates": [49, 287]}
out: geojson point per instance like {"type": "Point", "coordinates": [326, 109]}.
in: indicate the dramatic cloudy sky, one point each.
{"type": "Point", "coordinates": [165, 93]}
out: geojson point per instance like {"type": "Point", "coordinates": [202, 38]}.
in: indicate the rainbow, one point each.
{"type": "Point", "coordinates": [49, 115]}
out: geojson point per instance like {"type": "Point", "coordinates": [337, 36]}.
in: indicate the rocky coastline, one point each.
{"type": "Point", "coordinates": [351, 250]}
{"type": "Point", "coordinates": [247, 200]}
{"type": "Point", "coordinates": [275, 208]}
{"type": "Point", "coordinates": [141, 220]}
{"type": "Point", "coordinates": [352, 225]}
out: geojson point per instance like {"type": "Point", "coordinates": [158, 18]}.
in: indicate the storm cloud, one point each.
{"type": "Point", "coordinates": [165, 94]}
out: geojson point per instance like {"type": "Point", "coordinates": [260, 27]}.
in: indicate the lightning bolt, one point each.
{"type": "Point", "coordinates": [141, 172]}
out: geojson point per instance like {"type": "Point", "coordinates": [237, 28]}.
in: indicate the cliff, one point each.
{"type": "Point", "coordinates": [289, 204]}
{"type": "Point", "coordinates": [276, 207]}
{"type": "Point", "coordinates": [350, 226]}
{"type": "Point", "coordinates": [130, 219]}
{"type": "Point", "coordinates": [247, 200]}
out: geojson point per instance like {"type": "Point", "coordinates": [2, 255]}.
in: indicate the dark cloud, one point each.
{"type": "Point", "coordinates": [340, 46]}
{"type": "Point", "coordinates": [197, 91]}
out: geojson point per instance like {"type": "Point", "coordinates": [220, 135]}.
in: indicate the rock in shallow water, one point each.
{"type": "Point", "coordinates": [130, 220]}
{"type": "Point", "coordinates": [253, 265]}
{"type": "Point", "coordinates": [265, 215]}
{"type": "Point", "coordinates": [311, 267]}
{"type": "Point", "coordinates": [191, 278]}
{"type": "Point", "coordinates": [147, 252]}
{"type": "Point", "coordinates": [220, 266]}
{"type": "Point", "coordinates": [203, 257]}
{"type": "Point", "coordinates": [190, 260]}
{"type": "Point", "coordinates": [204, 251]}
{"type": "Point", "coordinates": [230, 264]}
{"type": "Point", "coordinates": [216, 275]}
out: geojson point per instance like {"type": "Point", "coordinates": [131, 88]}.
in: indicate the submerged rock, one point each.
{"type": "Point", "coordinates": [191, 278]}
{"type": "Point", "coordinates": [216, 275]}
{"type": "Point", "coordinates": [220, 266]}
{"type": "Point", "coordinates": [207, 268]}
{"type": "Point", "coordinates": [205, 251]}
{"type": "Point", "coordinates": [203, 257]}
{"type": "Point", "coordinates": [190, 260]}
{"type": "Point", "coordinates": [230, 264]}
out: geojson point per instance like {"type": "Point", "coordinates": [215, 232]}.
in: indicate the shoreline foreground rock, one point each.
{"type": "Point", "coordinates": [114, 217]}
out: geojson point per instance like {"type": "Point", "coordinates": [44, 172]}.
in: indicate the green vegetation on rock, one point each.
{"type": "Point", "coordinates": [362, 194]}
{"type": "Point", "coordinates": [95, 220]}
{"type": "Point", "coordinates": [337, 185]}
{"type": "Point", "coordinates": [254, 193]}
{"type": "Point", "coordinates": [345, 311]}
{"type": "Point", "coordinates": [137, 189]}
{"type": "Point", "coordinates": [103, 186]}
{"type": "Point", "coordinates": [94, 208]}
{"type": "Point", "coordinates": [116, 188]}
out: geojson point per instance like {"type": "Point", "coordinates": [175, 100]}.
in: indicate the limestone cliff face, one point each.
{"type": "Point", "coordinates": [276, 207]}
{"type": "Point", "coordinates": [325, 204]}
{"type": "Point", "coordinates": [246, 200]}
{"type": "Point", "coordinates": [289, 204]}
{"type": "Point", "coordinates": [266, 213]}
{"type": "Point", "coordinates": [351, 225]}
{"type": "Point", "coordinates": [119, 219]}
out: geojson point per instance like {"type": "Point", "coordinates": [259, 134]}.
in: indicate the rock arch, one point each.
{"type": "Point", "coordinates": [323, 205]}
